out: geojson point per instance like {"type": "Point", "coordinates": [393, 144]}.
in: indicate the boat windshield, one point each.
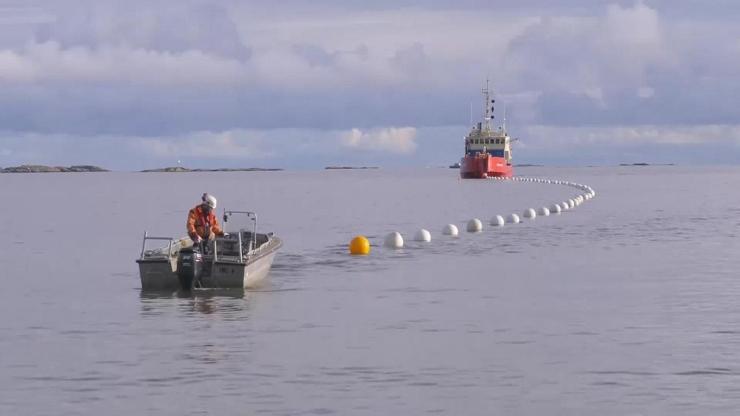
{"type": "Point", "coordinates": [239, 221]}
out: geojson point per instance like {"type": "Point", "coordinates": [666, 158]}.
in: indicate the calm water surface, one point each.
{"type": "Point", "coordinates": [628, 305]}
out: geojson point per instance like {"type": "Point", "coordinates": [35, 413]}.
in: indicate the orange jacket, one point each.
{"type": "Point", "coordinates": [202, 224]}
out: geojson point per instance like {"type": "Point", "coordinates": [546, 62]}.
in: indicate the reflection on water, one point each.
{"type": "Point", "coordinates": [224, 302]}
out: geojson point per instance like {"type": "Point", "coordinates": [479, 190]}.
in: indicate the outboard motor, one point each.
{"type": "Point", "coordinates": [190, 267]}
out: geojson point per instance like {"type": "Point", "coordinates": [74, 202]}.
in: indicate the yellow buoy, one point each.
{"type": "Point", "coordinates": [359, 246]}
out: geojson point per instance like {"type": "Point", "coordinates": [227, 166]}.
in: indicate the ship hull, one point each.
{"type": "Point", "coordinates": [484, 166]}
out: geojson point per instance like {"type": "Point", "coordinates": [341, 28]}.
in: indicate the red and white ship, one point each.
{"type": "Point", "coordinates": [487, 150]}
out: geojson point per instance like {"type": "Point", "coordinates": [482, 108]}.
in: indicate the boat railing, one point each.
{"type": "Point", "coordinates": [241, 228]}
{"type": "Point", "coordinates": [157, 252]}
{"type": "Point", "coordinates": [228, 248]}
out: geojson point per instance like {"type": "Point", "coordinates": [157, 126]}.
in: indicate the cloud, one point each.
{"type": "Point", "coordinates": [312, 148]}
{"type": "Point", "coordinates": [50, 62]}
{"type": "Point", "coordinates": [549, 137]}
{"type": "Point", "coordinates": [24, 15]}
{"type": "Point", "coordinates": [298, 148]}
{"type": "Point", "coordinates": [393, 139]}
{"type": "Point", "coordinates": [412, 59]}
{"type": "Point", "coordinates": [163, 26]}
{"type": "Point", "coordinates": [242, 145]}
{"type": "Point", "coordinates": [152, 71]}
{"type": "Point", "coordinates": [340, 65]}
{"type": "Point", "coordinates": [580, 54]}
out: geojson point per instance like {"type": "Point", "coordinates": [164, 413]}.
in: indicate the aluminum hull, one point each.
{"type": "Point", "coordinates": [160, 273]}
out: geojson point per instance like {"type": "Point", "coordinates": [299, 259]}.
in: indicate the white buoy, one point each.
{"type": "Point", "coordinates": [423, 236]}
{"type": "Point", "coordinates": [393, 240]}
{"type": "Point", "coordinates": [565, 205]}
{"type": "Point", "coordinates": [544, 212]}
{"type": "Point", "coordinates": [450, 229]}
{"type": "Point", "coordinates": [555, 208]}
{"type": "Point", "coordinates": [475, 226]}
{"type": "Point", "coordinates": [571, 204]}
{"type": "Point", "coordinates": [513, 219]}
{"type": "Point", "coordinates": [529, 213]}
{"type": "Point", "coordinates": [497, 221]}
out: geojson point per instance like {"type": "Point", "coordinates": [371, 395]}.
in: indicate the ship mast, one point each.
{"type": "Point", "coordinates": [487, 110]}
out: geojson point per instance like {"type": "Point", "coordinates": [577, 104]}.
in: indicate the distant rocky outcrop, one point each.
{"type": "Point", "coordinates": [51, 169]}
{"type": "Point", "coordinates": [168, 169]}
{"type": "Point", "coordinates": [175, 169]}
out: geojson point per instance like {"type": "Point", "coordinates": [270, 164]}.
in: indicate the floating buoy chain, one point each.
{"type": "Point", "coordinates": [361, 246]}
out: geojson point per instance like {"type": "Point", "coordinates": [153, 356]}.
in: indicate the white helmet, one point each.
{"type": "Point", "coordinates": [210, 200]}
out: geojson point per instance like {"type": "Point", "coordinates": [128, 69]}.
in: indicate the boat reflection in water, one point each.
{"type": "Point", "coordinates": [230, 303]}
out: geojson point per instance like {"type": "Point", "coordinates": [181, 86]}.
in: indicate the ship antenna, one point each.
{"type": "Point", "coordinates": [504, 118]}
{"type": "Point", "coordinates": [471, 114]}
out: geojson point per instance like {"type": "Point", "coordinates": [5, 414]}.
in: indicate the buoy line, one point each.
{"type": "Point", "coordinates": [394, 240]}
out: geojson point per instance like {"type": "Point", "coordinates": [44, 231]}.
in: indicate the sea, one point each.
{"type": "Point", "coordinates": [626, 305]}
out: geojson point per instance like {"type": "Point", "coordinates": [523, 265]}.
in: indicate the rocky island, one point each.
{"type": "Point", "coordinates": [175, 169]}
{"type": "Point", "coordinates": [51, 169]}
{"type": "Point", "coordinates": [646, 164]}
{"type": "Point", "coordinates": [350, 167]}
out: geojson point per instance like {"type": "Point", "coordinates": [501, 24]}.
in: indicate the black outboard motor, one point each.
{"type": "Point", "coordinates": [190, 267]}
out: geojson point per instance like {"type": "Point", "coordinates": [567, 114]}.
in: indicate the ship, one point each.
{"type": "Point", "coordinates": [487, 149]}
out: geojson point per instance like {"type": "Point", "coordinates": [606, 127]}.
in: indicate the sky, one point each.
{"type": "Point", "coordinates": [293, 84]}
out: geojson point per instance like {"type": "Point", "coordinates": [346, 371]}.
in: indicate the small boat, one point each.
{"type": "Point", "coordinates": [487, 150]}
{"type": "Point", "coordinates": [455, 165]}
{"type": "Point", "coordinates": [240, 259]}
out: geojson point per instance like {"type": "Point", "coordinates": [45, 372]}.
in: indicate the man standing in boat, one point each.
{"type": "Point", "coordinates": [202, 222]}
